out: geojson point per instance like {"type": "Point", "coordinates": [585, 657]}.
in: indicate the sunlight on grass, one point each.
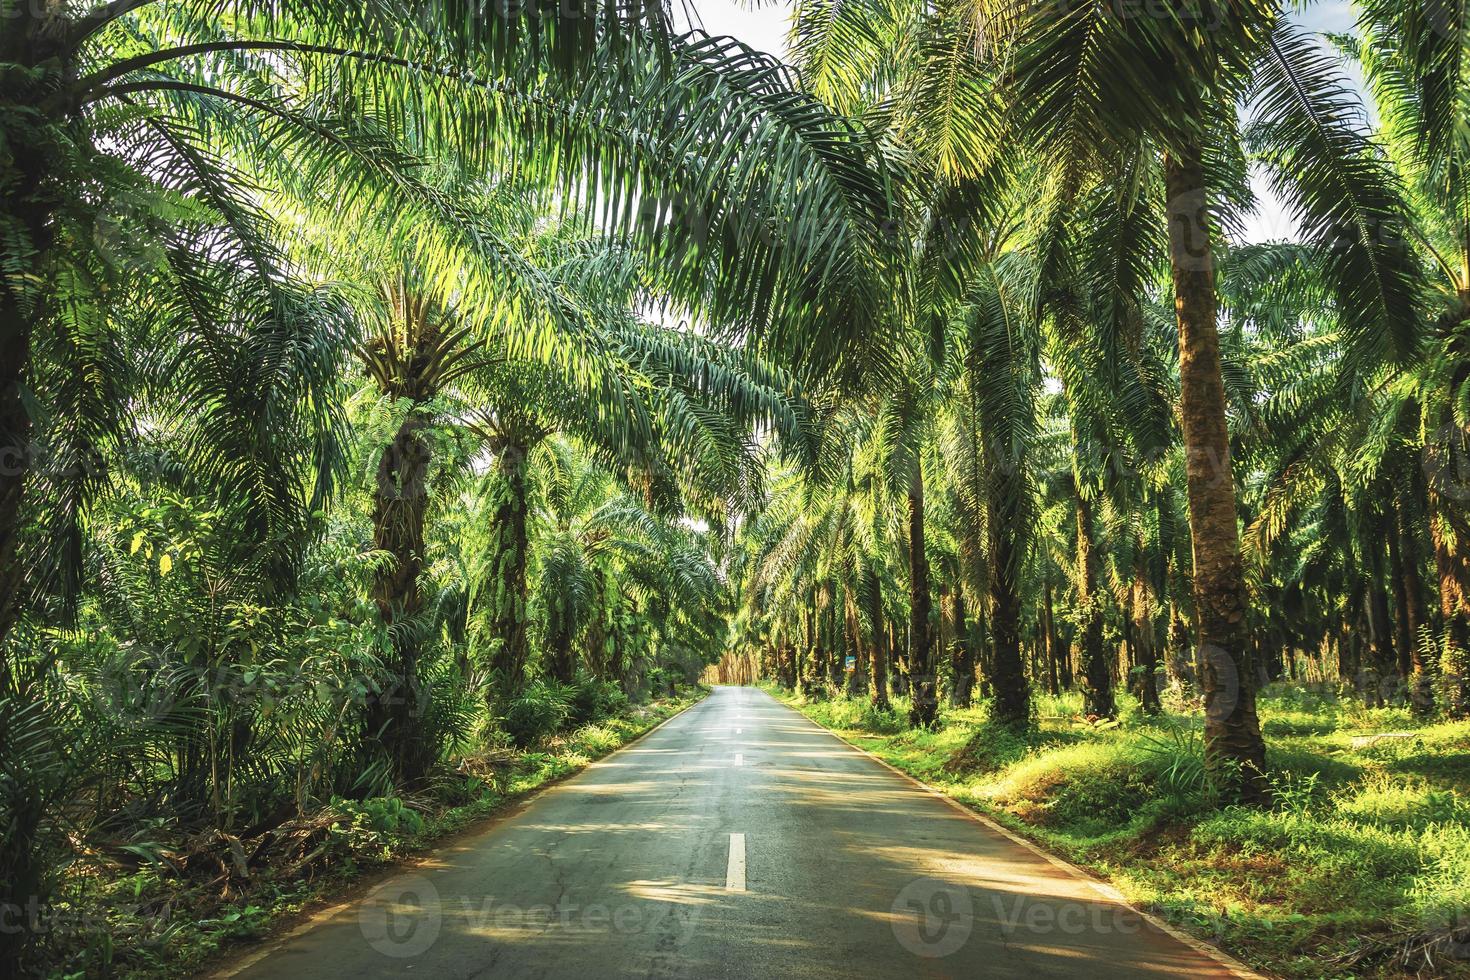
{"type": "Point", "coordinates": [1364, 851]}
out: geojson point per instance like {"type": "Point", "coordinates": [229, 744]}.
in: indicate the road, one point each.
{"type": "Point", "coordinates": [738, 840]}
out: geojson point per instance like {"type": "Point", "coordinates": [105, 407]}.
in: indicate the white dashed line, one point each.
{"type": "Point", "coordinates": [735, 870]}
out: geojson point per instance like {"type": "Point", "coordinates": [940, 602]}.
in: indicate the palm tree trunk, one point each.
{"type": "Point", "coordinates": [962, 654]}
{"type": "Point", "coordinates": [924, 709]}
{"type": "Point", "coordinates": [1012, 704]}
{"type": "Point", "coordinates": [836, 648]}
{"type": "Point", "coordinates": [878, 648]}
{"type": "Point", "coordinates": [857, 684]}
{"type": "Point", "coordinates": [1145, 642]}
{"type": "Point", "coordinates": [1379, 679]}
{"type": "Point", "coordinates": [1092, 663]}
{"type": "Point", "coordinates": [1410, 596]}
{"type": "Point", "coordinates": [617, 658]}
{"type": "Point", "coordinates": [509, 549]}
{"type": "Point", "coordinates": [898, 661]}
{"type": "Point", "coordinates": [1403, 633]}
{"type": "Point", "coordinates": [811, 668]}
{"type": "Point", "coordinates": [400, 503]}
{"type": "Point", "coordinates": [563, 658]}
{"type": "Point", "coordinates": [1178, 658]}
{"type": "Point", "coordinates": [1053, 647]}
{"type": "Point", "coordinates": [15, 461]}
{"type": "Point", "coordinates": [1345, 638]}
{"type": "Point", "coordinates": [1234, 748]}
{"type": "Point", "coordinates": [594, 643]}
{"type": "Point", "coordinates": [1454, 606]}
{"type": "Point", "coordinates": [31, 209]}
{"type": "Point", "coordinates": [804, 652]}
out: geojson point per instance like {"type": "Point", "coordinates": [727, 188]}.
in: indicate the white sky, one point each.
{"type": "Point", "coordinates": [764, 28]}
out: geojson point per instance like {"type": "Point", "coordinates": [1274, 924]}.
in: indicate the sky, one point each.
{"type": "Point", "coordinates": [765, 30]}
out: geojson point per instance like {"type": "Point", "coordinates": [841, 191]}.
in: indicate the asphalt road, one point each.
{"type": "Point", "coordinates": [739, 840]}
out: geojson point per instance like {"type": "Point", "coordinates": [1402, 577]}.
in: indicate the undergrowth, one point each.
{"type": "Point", "coordinates": [176, 905]}
{"type": "Point", "coordinates": [1360, 867]}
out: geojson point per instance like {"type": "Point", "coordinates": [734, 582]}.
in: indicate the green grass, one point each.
{"type": "Point", "coordinates": [154, 924]}
{"type": "Point", "coordinates": [1360, 868]}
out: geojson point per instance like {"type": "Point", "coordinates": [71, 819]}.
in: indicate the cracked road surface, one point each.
{"type": "Point", "coordinates": [631, 869]}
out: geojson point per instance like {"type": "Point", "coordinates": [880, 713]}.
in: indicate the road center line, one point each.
{"type": "Point", "coordinates": [735, 870]}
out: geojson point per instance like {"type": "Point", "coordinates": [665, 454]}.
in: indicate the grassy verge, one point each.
{"type": "Point", "coordinates": [1361, 868]}
{"type": "Point", "coordinates": [175, 916]}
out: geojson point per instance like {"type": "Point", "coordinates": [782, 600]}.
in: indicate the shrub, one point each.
{"type": "Point", "coordinates": [858, 715]}
{"type": "Point", "coordinates": [1442, 890]}
{"type": "Point", "coordinates": [991, 747]}
{"type": "Point", "coordinates": [1384, 802]}
{"type": "Point", "coordinates": [593, 700]}
{"type": "Point", "coordinates": [540, 712]}
{"type": "Point", "coordinates": [881, 722]}
{"type": "Point", "coordinates": [384, 814]}
{"type": "Point", "coordinates": [1088, 789]}
{"type": "Point", "coordinates": [1297, 724]}
{"type": "Point", "coordinates": [662, 681]}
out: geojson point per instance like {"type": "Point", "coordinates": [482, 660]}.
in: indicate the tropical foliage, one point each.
{"type": "Point", "coordinates": [388, 387]}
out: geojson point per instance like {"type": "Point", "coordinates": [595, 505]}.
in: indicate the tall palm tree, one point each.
{"type": "Point", "coordinates": [932, 98]}
{"type": "Point", "coordinates": [414, 358]}
{"type": "Point", "coordinates": [668, 409]}
{"type": "Point", "coordinates": [598, 544]}
{"type": "Point", "coordinates": [999, 356]}
{"type": "Point", "coordinates": [834, 525]}
{"type": "Point", "coordinates": [447, 318]}
{"type": "Point", "coordinates": [1411, 57]}
{"type": "Point", "coordinates": [1087, 88]}
{"type": "Point", "coordinates": [137, 118]}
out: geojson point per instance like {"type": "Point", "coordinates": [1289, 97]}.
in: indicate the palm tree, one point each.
{"type": "Point", "coordinates": [909, 71]}
{"type": "Point", "coordinates": [833, 526]}
{"type": "Point", "coordinates": [1409, 56]}
{"type": "Point", "coordinates": [414, 358]}
{"type": "Point", "coordinates": [667, 409]}
{"type": "Point", "coordinates": [1338, 448]}
{"type": "Point", "coordinates": [440, 328]}
{"type": "Point", "coordinates": [133, 114]}
{"type": "Point", "coordinates": [1087, 89]}
{"type": "Point", "coordinates": [999, 352]}
{"type": "Point", "coordinates": [598, 547]}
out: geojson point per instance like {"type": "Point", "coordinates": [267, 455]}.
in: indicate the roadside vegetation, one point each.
{"type": "Point", "coordinates": [172, 909]}
{"type": "Point", "coordinates": [1360, 867]}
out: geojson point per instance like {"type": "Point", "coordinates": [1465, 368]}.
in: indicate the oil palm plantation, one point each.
{"type": "Point", "coordinates": [1174, 82]}
{"type": "Point", "coordinates": [602, 554]}
{"type": "Point", "coordinates": [451, 319]}
{"type": "Point", "coordinates": [140, 127]}
{"type": "Point", "coordinates": [1093, 93]}
{"type": "Point", "coordinates": [685, 416]}
{"type": "Point", "coordinates": [1410, 54]}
